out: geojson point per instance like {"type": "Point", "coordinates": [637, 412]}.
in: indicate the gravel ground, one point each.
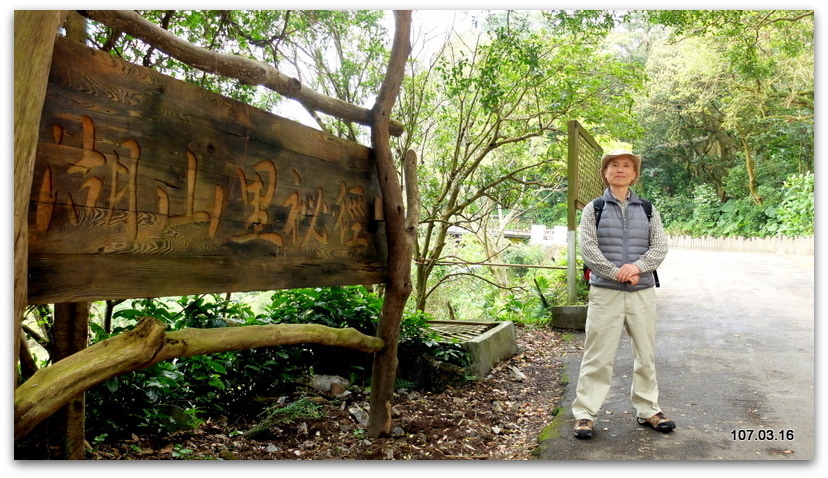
{"type": "Point", "coordinates": [496, 418]}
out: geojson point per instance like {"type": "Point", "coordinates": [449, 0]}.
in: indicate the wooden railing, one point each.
{"type": "Point", "coordinates": [803, 246]}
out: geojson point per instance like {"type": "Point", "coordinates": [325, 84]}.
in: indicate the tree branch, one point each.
{"type": "Point", "coordinates": [398, 281]}
{"type": "Point", "coordinates": [243, 69]}
{"type": "Point", "coordinates": [147, 344]}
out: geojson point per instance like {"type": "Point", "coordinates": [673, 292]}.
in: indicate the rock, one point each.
{"type": "Point", "coordinates": [227, 455]}
{"type": "Point", "coordinates": [360, 415]}
{"type": "Point", "coordinates": [517, 374]}
{"type": "Point", "coordinates": [337, 389]}
{"type": "Point", "coordinates": [326, 383]}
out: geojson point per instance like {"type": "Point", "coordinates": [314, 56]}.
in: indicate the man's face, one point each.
{"type": "Point", "coordinates": [620, 172]}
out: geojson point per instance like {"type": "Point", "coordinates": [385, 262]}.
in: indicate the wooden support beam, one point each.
{"type": "Point", "coordinates": [34, 35]}
{"type": "Point", "coordinates": [398, 284]}
{"type": "Point", "coordinates": [147, 344]}
{"type": "Point", "coordinates": [67, 426]}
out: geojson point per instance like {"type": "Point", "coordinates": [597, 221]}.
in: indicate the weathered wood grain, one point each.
{"type": "Point", "coordinates": [251, 72]}
{"type": "Point", "coordinates": [34, 33]}
{"type": "Point", "coordinates": [122, 276]}
{"type": "Point", "coordinates": [131, 163]}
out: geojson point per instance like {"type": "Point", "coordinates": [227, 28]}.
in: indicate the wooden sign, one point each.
{"type": "Point", "coordinates": [147, 186]}
{"type": "Point", "coordinates": [584, 166]}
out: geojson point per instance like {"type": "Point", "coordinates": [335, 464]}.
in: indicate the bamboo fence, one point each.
{"type": "Point", "coordinates": [801, 246]}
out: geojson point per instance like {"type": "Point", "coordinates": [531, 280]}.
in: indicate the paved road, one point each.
{"type": "Point", "coordinates": [735, 352]}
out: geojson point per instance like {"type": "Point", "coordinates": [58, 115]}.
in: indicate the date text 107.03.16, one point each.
{"type": "Point", "coordinates": [762, 434]}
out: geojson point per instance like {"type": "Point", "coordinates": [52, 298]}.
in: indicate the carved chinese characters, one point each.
{"type": "Point", "coordinates": [211, 194]}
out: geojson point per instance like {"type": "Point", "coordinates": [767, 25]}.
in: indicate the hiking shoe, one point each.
{"type": "Point", "coordinates": [658, 422]}
{"type": "Point", "coordinates": [583, 428]}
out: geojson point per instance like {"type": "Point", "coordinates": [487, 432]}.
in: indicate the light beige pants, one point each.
{"type": "Point", "coordinates": [610, 311]}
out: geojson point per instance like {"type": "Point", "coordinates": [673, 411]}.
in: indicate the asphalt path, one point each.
{"type": "Point", "coordinates": [735, 365]}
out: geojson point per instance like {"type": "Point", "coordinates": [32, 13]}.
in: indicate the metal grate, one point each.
{"type": "Point", "coordinates": [459, 330]}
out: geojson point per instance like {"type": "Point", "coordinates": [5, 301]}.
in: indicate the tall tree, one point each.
{"type": "Point", "coordinates": [339, 54]}
{"type": "Point", "coordinates": [399, 231]}
{"type": "Point", "coordinates": [682, 111]}
{"type": "Point", "coordinates": [751, 90]}
{"type": "Point", "coordinates": [487, 118]}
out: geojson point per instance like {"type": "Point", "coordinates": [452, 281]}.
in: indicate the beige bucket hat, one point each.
{"type": "Point", "coordinates": [617, 153]}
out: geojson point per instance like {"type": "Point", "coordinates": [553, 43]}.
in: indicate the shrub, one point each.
{"type": "Point", "coordinates": [796, 213]}
{"type": "Point", "coordinates": [149, 400]}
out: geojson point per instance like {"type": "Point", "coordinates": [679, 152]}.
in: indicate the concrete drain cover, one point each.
{"type": "Point", "coordinates": [459, 330]}
{"type": "Point", "coordinates": [487, 342]}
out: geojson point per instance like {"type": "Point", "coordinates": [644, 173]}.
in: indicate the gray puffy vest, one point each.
{"type": "Point", "coordinates": [623, 241]}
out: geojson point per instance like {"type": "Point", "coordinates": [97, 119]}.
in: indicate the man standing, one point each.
{"type": "Point", "coordinates": [622, 250]}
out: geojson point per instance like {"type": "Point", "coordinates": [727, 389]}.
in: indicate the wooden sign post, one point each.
{"type": "Point", "coordinates": [147, 186]}
{"type": "Point", "coordinates": [584, 185]}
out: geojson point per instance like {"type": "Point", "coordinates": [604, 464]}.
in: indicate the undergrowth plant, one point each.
{"type": "Point", "coordinates": [302, 409]}
{"type": "Point", "coordinates": [178, 393]}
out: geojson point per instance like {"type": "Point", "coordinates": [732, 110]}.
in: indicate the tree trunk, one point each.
{"type": "Point", "coordinates": [751, 171]}
{"type": "Point", "coordinates": [70, 334]}
{"type": "Point", "coordinates": [147, 344]}
{"type": "Point", "coordinates": [430, 257]}
{"type": "Point", "coordinates": [67, 426]}
{"type": "Point", "coordinates": [398, 283]}
{"type": "Point", "coordinates": [27, 364]}
{"type": "Point", "coordinates": [34, 35]}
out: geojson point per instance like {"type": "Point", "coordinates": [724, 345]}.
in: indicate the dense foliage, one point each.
{"type": "Point", "coordinates": [728, 117]}
{"type": "Point", "coordinates": [180, 392]}
{"type": "Point", "coordinates": [488, 117]}
{"type": "Point", "coordinates": [719, 102]}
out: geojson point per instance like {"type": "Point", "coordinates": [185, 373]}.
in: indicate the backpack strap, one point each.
{"type": "Point", "coordinates": [648, 208]}
{"type": "Point", "coordinates": [598, 205]}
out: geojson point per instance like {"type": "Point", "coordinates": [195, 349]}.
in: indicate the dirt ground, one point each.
{"type": "Point", "coordinates": [496, 418]}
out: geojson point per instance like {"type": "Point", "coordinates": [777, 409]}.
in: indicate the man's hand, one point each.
{"type": "Point", "coordinates": [628, 273]}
